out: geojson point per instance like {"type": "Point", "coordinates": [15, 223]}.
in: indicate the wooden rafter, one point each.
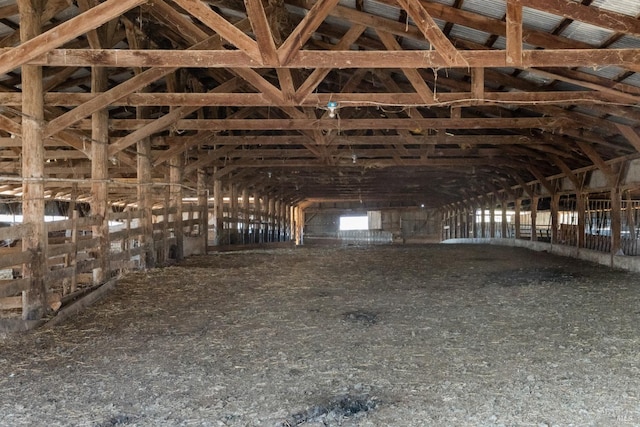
{"type": "Point", "coordinates": [418, 83]}
{"type": "Point", "coordinates": [304, 30]}
{"type": "Point", "coordinates": [591, 15]}
{"type": "Point", "coordinates": [68, 30]}
{"type": "Point", "coordinates": [228, 31]}
{"type": "Point", "coordinates": [432, 32]}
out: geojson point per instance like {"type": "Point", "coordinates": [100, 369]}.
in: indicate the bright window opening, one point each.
{"type": "Point", "coordinates": [354, 223]}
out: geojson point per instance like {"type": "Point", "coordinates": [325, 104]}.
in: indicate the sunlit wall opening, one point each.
{"type": "Point", "coordinates": [354, 223]}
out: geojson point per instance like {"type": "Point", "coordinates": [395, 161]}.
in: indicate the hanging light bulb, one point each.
{"type": "Point", "coordinates": [332, 106]}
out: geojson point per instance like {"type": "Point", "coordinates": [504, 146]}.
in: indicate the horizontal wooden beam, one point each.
{"type": "Point", "coordinates": [364, 163]}
{"type": "Point", "coordinates": [626, 58]}
{"type": "Point", "coordinates": [142, 99]}
{"type": "Point", "coordinates": [285, 140]}
{"type": "Point", "coordinates": [348, 124]}
{"type": "Point", "coordinates": [262, 154]}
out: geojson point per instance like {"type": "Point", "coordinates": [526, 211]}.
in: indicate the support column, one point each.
{"type": "Point", "coordinates": [175, 180]}
{"type": "Point", "coordinates": [483, 231]}
{"type": "Point", "coordinates": [203, 204]}
{"type": "Point", "coordinates": [503, 224]}
{"type": "Point", "coordinates": [516, 219]}
{"type": "Point", "coordinates": [466, 221]}
{"type": "Point", "coordinates": [34, 299]}
{"type": "Point", "coordinates": [257, 218]}
{"type": "Point", "coordinates": [616, 220]}
{"type": "Point", "coordinates": [631, 222]}
{"type": "Point", "coordinates": [492, 218]}
{"type": "Point", "coordinates": [581, 207]}
{"type": "Point", "coordinates": [218, 212]}
{"type": "Point", "coordinates": [233, 220]}
{"type": "Point", "coordinates": [278, 220]}
{"type": "Point", "coordinates": [272, 219]}
{"type": "Point", "coordinates": [266, 218]}
{"type": "Point", "coordinates": [292, 224]}
{"type": "Point", "coordinates": [534, 217]}
{"type": "Point", "coordinates": [555, 208]}
{"type": "Point", "coordinates": [100, 175]}
{"type": "Point", "coordinates": [148, 257]}
{"type": "Point", "coordinates": [474, 222]}
{"type": "Point", "coordinates": [246, 216]}
{"type": "Point", "coordinates": [299, 213]}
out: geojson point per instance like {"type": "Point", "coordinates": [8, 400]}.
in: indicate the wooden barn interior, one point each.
{"type": "Point", "coordinates": [134, 133]}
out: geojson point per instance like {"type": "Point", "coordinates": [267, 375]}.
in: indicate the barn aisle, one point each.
{"type": "Point", "coordinates": [340, 336]}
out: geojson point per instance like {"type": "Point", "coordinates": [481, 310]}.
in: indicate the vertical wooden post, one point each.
{"type": "Point", "coordinates": [34, 299]}
{"type": "Point", "coordinates": [175, 179]}
{"type": "Point", "coordinates": [292, 224]}
{"type": "Point", "coordinates": [73, 260]}
{"type": "Point", "coordinates": [631, 222]}
{"type": "Point", "coordinates": [616, 220]}
{"type": "Point", "coordinates": [203, 204]}
{"type": "Point", "coordinates": [534, 217]}
{"type": "Point", "coordinates": [503, 224]}
{"type": "Point", "coordinates": [272, 219]}
{"type": "Point", "coordinates": [165, 224]}
{"type": "Point", "coordinates": [483, 231]}
{"type": "Point", "coordinates": [246, 215]}
{"type": "Point", "coordinates": [581, 209]}
{"type": "Point", "coordinates": [453, 222]}
{"type": "Point", "coordinates": [145, 201]}
{"type": "Point", "coordinates": [555, 208]}
{"type": "Point", "coordinates": [218, 212]}
{"type": "Point", "coordinates": [127, 242]}
{"type": "Point", "coordinates": [474, 222]}
{"type": "Point", "coordinates": [257, 214]}
{"type": "Point", "coordinates": [300, 218]}
{"type": "Point", "coordinates": [233, 221]}
{"type": "Point", "coordinates": [492, 218]}
{"type": "Point", "coordinates": [516, 219]}
{"type": "Point", "coordinates": [277, 204]}
{"type": "Point", "coordinates": [100, 175]}
{"type": "Point", "coordinates": [265, 219]}
{"type": "Point", "coordinates": [464, 221]}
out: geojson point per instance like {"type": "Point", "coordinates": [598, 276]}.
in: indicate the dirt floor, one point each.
{"type": "Point", "coordinates": [436, 335]}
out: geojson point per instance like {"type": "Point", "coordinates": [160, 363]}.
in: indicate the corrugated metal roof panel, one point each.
{"type": "Point", "coordinates": [567, 86]}
{"type": "Point", "coordinates": [5, 30]}
{"type": "Point", "coordinates": [608, 72]}
{"type": "Point", "coordinates": [587, 33]}
{"type": "Point", "coordinates": [412, 44]}
{"type": "Point", "coordinates": [381, 9]}
{"type": "Point", "coordinates": [532, 77]}
{"type": "Point", "coordinates": [501, 43]}
{"type": "Point", "coordinates": [337, 23]}
{"type": "Point", "coordinates": [466, 33]}
{"type": "Point", "coordinates": [493, 8]}
{"type": "Point", "coordinates": [348, 3]}
{"type": "Point", "coordinates": [626, 7]}
{"type": "Point", "coordinates": [634, 80]}
{"type": "Point", "coordinates": [626, 42]}
{"type": "Point", "coordinates": [539, 20]}
{"type": "Point", "coordinates": [447, 2]}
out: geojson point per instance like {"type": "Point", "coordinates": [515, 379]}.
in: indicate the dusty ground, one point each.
{"type": "Point", "coordinates": [385, 336]}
